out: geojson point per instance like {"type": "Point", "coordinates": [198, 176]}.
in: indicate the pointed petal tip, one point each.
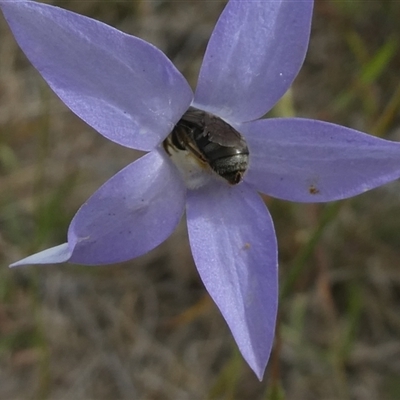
{"type": "Point", "coordinates": [252, 46]}
{"type": "Point", "coordinates": [260, 372]}
{"type": "Point", "coordinates": [54, 255]}
{"type": "Point", "coordinates": [306, 160]}
{"type": "Point", "coordinates": [258, 360]}
{"type": "Point", "coordinates": [106, 77]}
{"type": "Point", "coordinates": [234, 246]}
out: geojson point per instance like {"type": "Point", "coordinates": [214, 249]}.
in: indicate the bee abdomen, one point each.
{"type": "Point", "coordinates": [231, 167]}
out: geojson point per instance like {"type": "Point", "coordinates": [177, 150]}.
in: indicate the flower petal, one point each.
{"type": "Point", "coordinates": [254, 53]}
{"type": "Point", "coordinates": [313, 161]}
{"type": "Point", "coordinates": [54, 255]}
{"type": "Point", "coordinates": [135, 211]}
{"type": "Point", "coordinates": [234, 247]}
{"type": "Point", "coordinates": [122, 86]}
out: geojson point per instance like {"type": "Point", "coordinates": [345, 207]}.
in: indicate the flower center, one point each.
{"type": "Point", "coordinates": [202, 142]}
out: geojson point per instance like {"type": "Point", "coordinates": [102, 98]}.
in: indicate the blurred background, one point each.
{"type": "Point", "coordinates": [146, 329]}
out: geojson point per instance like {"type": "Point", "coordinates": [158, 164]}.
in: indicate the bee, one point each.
{"type": "Point", "coordinates": [212, 142]}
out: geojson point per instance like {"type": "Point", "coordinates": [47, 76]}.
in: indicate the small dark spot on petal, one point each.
{"type": "Point", "coordinates": [246, 246]}
{"type": "Point", "coordinates": [313, 189]}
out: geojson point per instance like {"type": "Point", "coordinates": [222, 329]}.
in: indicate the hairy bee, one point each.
{"type": "Point", "coordinates": [212, 142]}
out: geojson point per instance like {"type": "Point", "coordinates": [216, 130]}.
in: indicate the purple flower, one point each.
{"type": "Point", "coordinates": [131, 93]}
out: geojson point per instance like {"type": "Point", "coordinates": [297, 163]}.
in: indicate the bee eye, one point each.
{"type": "Point", "coordinates": [212, 142]}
